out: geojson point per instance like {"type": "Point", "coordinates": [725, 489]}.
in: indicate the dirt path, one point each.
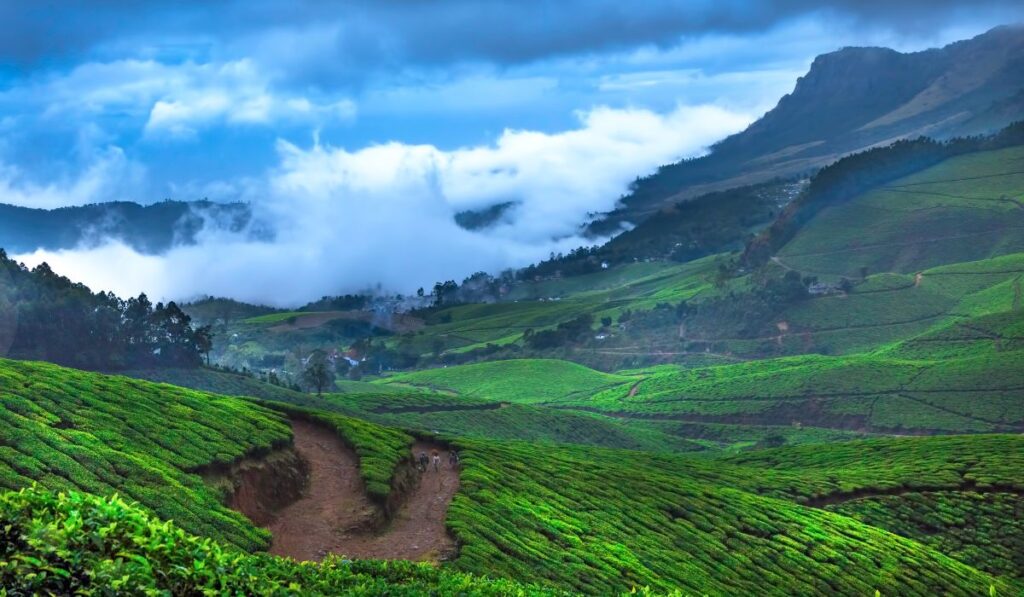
{"type": "Point", "coordinates": [335, 516]}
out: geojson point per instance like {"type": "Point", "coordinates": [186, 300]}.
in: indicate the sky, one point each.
{"type": "Point", "coordinates": [359, 128]}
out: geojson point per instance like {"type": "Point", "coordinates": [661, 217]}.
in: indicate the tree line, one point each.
{"type": "Point", "coordinates": [47, 317]}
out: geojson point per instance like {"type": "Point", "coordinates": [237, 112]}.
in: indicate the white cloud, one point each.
{"type": "Point", "coordinates": [108, 176]}
{"type": "Point", "coordinates": [346, 220]}
{"type": "Point", "coordinates": [177, 99]}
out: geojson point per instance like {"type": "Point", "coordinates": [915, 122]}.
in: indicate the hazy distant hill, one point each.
{"type": "Point", "coordinates": [850, 100]}
{"type": "Point", "coordinates": [148, 229]}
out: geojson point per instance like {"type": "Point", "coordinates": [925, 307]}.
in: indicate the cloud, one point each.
{"type": "Point", "coordinates": [173, 98]}
{"type": "Point", "coordinates": [108, 176]}
{"type": "Point", "coordinates": [334, 41]}
{"type": "Point", "coordinates": [346, 220]}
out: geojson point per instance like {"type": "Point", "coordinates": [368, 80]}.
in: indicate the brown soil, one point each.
{"type": "Point", "coordinates": [335, 515]}
{"type": "Point", "coordinates": [259, 487]}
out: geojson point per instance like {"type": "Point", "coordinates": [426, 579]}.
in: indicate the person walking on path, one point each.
{"type": "Point", "coordinates": [437, 462]}
{"type": "Point", "coordinates": [423, 462]}
{"type": "Point", "coordinates": [453, 459]}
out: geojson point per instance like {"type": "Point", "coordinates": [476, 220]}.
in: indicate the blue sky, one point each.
{"type": "Point", "coordinates": [355, 111]}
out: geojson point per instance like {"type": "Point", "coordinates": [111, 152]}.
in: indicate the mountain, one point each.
{"type": "Point", "coordinates": [146, 228]}
{"type": "Point", "coordinates": [850, 100]}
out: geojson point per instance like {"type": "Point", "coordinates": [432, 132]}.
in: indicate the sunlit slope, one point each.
{"type": "Point", "coordinates": [525, 381]}
{"type": "Point", "coordinates": [982, 393]}
{"type": "Point", "coordinates": [603, 521]}
{"type": "Point", "coordinates": [966, 208]}
{"type": "Point", "coordinates": [67, 429]}
{"type": "Point", "coordinates": [417, 407]}
{"type": "Point", "coordinates": [961, 495]}
{"type": "Point", "coordinates": [964, 373]}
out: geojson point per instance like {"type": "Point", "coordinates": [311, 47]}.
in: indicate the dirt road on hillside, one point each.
{"type": "Point", "coordinates": [335, 516]}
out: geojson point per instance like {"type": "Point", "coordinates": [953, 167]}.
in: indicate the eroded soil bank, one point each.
{"type": "Point", "coordinates": [334, 514]}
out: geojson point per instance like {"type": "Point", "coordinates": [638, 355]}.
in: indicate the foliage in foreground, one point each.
{"type": "Point", "coordinates": [64, 543]}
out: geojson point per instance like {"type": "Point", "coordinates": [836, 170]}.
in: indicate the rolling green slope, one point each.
{"type": "Point", "coordinates": [524, 381]}
{"type": "Point", "coordinates": [575, 518]}
{"type": "Point", "coordinates": [218, 382]}
{"type": "Point", "coordinates": [428, 411]}
{"type": "Point", "coordinates": [964, 209]}
{"type": "Point", "coordinates": [70, 430]}
{"type": "Point", "coordinates": [856, 392]}
{"type": "Point", "coordinates": [961, 495]}
{"type": "Point", "coordinates": [602, 521]}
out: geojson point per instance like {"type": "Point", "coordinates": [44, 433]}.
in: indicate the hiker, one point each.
{"type": "Point", "coordinates": [437, 462]}
{"type": "Point", "coordinates": [453, 459]}
{"type": "Point", "coordinates": [423, 462]}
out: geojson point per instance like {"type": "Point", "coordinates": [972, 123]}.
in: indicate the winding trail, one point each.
{"type": "Point", "coordinates": [335, 516]}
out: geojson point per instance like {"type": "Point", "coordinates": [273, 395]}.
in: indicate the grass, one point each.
{"type": "Point", "coordinates": [71, 430]}
{"type": "Point", "coordinates": [272, 318]}
{"type": "Point", "coordinates": [575, 518]}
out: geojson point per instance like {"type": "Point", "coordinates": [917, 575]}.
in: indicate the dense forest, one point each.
{"type": "Point", "coordinates": [45, 316]}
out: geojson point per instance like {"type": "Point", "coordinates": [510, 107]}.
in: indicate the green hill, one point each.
{"type": "Point", "coordinates": [576, 518]}
{"type": "Point", "coordinates": [71, 430]}
{"type": "Point", "coordinates": [535, 380]}
{"type": "Point", "coordinates": [964, 209]}
{"type": "Point", "coordinates": [601, 521]}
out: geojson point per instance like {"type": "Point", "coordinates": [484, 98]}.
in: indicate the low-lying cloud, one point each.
{"type": "Point", "coordinates": [383, 215]}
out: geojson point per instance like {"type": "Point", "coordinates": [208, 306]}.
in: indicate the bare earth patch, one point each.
{"type": "Point", "coordinates": [335, 516]}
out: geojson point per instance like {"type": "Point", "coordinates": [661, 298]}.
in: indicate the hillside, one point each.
{"type": "Point", "coordinates": [148, 229]}
{"type": "Point", "coordinates": [964, 209]}
{"type": "Point", "coordinates": [850, 100]}
{"type": "Point", "coordinates": [581, 519]}
{"type": "Point", "coordinates": [70, 430]}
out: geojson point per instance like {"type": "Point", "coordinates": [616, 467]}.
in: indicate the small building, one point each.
{"type": "Point", "coordinates": [823, 288]}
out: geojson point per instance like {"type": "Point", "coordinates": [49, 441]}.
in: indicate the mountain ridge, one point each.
{"type": "Point", "coordinates": [852, 99]}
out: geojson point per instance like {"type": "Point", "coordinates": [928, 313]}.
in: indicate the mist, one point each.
{"type": "Point", "coordinates": [382, 216]}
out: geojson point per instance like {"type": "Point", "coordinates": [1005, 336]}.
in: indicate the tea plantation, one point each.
{"type": "Point", "coordinates": [603, 521]}
{"type": "Point", "coordinates": [965, 208]}
{"type": "Point", "coordinates": [71, 430]}
{"type": "Point", "coordinates": [568, 518]}
{"type": "Point", "coordinates": [71, 543]}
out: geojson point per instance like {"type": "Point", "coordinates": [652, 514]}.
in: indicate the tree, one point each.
{"type": "Point", "coordinates": [318, 373]}
{"type": "Point", "coordinates": [203, 338]}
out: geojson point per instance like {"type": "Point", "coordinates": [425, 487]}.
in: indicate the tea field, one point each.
{"type": "Point", "coordinates": [71, 430]}
{"type": "Point", "coordinates": [601, 522]}
{"type": "Point", "coordinates": [72, 543]}
{"type": "Point", "coordinates": [963, 209]}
